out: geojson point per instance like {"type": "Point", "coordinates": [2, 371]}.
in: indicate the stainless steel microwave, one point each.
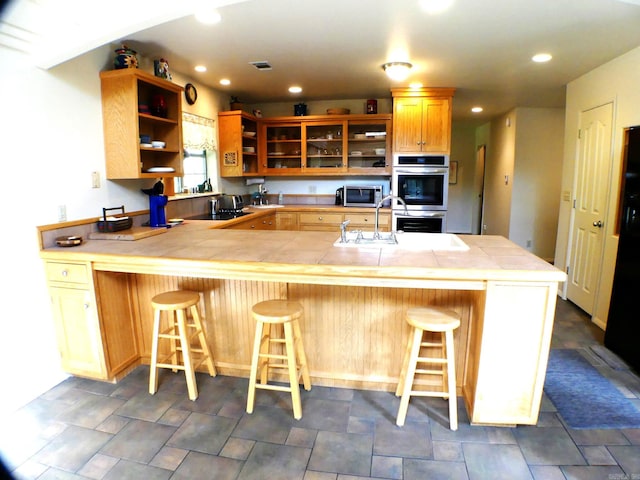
{"type": "Point", "coordinates": [362, 195]}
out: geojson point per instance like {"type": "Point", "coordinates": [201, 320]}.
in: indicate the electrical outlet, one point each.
{"type": "Point", "coordinates": [312, 189]}
{"type": "Point", "coordinates": [95, 179]}
{"type": "Point", "coordinates": [62, 213]}
{"type": "Point", "coordinates": [528, 243]}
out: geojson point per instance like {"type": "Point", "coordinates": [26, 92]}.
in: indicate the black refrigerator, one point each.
{"type": "Point", "coordinates": [622, 335]}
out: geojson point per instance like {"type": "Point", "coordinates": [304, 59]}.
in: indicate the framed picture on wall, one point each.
{"type": "Point", "coordinates": [453, 173]}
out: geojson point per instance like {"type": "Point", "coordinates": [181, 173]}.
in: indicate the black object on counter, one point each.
{"type": "Point", "coordinates": [157, 189]}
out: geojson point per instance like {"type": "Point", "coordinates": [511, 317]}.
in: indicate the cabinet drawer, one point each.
{"type": "Point", "coordinates": [321, 218]}
{"type": "Point", "coordinates": [366, 219]}
{"type": "Point", "coordinates": [67, 272]}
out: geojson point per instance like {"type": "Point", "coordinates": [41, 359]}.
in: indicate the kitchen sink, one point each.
{"type": "Point", "coordinates": [411, 241]}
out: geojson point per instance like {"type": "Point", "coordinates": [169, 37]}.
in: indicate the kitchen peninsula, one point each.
{"type": "Point", "coordinates": [354, 329]}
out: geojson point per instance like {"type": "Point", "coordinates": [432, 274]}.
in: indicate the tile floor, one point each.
{"type": "Point", "coordinates": [85, 429]}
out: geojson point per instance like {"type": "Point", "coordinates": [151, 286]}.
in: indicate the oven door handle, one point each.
{"type": "Point", "coordinates": [418, 214]}
{"type": "Point", "coordinates": [419, 170]}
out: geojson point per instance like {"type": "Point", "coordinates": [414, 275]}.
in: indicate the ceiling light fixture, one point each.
{"type": "Point", "coordinates": [207, 15]}
{"type": "Point", "coordinates": [476, 109]}
{"type": "Point", "coordinates": [225, 81]}
{"type": "Point", "coordinates": [295, 89]}
{"type": "Point", "coordinates": [415, 85]}
{"type": "Point", "coordinates": [435, 6]}
{"type": "Point", "coordinates": [541, 57]}
{"type": "Point", "coordinates": [397, 70]}
{"type": "Point", "coordinates": [200, 68]}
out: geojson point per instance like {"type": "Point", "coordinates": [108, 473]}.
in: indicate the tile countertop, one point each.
{"type": "Point", "coordinates": [196, 247]}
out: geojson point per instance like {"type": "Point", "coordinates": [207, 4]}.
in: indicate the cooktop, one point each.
{"type": "Point", "coordinates": [219, 216]}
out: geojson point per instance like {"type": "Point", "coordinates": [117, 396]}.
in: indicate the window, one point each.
{"type": "Point", "coordinates": [195, 170]}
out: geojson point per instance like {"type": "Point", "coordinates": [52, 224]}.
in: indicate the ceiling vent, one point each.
{"type": "Point", "coordinates": [262, 65]}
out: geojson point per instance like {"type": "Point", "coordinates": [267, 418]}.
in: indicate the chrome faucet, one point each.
{"type": "Point", "coordinates": [343, 231]}
{"type": "Point", "coordinates": [391, 196]}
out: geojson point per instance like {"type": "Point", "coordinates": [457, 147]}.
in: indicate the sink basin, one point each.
{"type": "Point", "coordinates": [272, 205]}
{"type": "Point", "coordinates": [411, 241]}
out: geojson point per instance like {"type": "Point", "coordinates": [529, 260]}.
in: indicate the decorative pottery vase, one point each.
{"type": "Point", "coordinates": [299, 109]}
{"type": "Point", "coordinates": [161, 69]}
{"type": "Point", "coordinates": [125, 58]}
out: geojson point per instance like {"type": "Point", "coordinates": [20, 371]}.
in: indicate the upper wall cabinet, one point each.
{"type": "Point", "coordinates": [134, 104]}
{"type": "Point", "coordinates": [422, 120]}
{"type": "Point", "coordinates": [319, 145]}
{"type": "Point", "coordinates": [238, 140]}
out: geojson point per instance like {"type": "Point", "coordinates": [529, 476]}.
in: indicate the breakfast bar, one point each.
{"type": "Point", "coordinates": [355, 299]}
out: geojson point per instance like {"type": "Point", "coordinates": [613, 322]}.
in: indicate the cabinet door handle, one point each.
{"type": "Point", "coordinates": [86, 305]}
{"type": "Point", "coordinates": [320, 218]}
{"type": "Point", "coordinates": [64, 273]}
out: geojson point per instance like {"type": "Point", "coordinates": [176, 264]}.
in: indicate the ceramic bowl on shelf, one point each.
{"type": "Point", "coordinates": [158, 144]}
{"type": "Point", "coordinates": [380, 151]}
{"type": "Point", "coordinates": [249, 149]}
{"type": "Point", "coordinates": [250, 134]}
{"type": "Point", "coordinates": [359, 136]}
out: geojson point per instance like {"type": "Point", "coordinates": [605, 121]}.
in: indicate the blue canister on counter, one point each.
{"type": "Point", "coordinates": [300, 109]}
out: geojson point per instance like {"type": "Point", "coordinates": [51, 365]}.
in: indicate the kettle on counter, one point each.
{"type": "Point", "coordinates": [340, 196]}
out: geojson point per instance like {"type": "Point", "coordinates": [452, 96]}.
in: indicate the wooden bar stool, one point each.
{"type": "Point", "coordinates": [180, 332]}
{"type": "Point", "coordinates": [429, 319]}
{"type": "Point", "coordinates": [268, 315]}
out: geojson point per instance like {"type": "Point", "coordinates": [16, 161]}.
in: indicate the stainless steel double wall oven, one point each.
{"type": "Point", "coordinates": [422, 182]}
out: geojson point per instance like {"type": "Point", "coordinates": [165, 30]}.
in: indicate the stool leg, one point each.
{"type": "Point", "coordinates": [153, 369]}
{"type": "Point", "coordinates": [405, 365]}
{"type": "Point", "coordinates": [265, 349]}
{"type": "Point", "coordinates": [408, 380]}
{"type": "Point", "coordinates": [451, 376]}
{"type": "Point", "coordinates": [203, 341]}
{"type": "Point", "coordinates": [293, 371]}
{"type": "Point", "coordinates": [301, 355]}
{"type": "Point", "coordinates": [171, 315]}
{"type": "Point", "coordinates": [257, 345]}
{"type": "Point", "coordinates": [186, 355]}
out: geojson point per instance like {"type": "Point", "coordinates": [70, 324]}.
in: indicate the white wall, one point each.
{"type": "Point", "coordinates": [52, 140]}
{"type": "Point", "coordinates": [536, 179]}
{"type": "Point", "coordinates": [462, 195]}
{"type": "Point", "coordinates": [522, 180]}
{"type": "Point", "coordinates": [616, 81]}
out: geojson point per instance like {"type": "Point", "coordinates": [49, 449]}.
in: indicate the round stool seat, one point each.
{"type": "Point", "coordinates": [277, 311]}
{"type": "Point", "coordinates": [175, 300]}
{"type": "Point", "coordinates": [433, 319]}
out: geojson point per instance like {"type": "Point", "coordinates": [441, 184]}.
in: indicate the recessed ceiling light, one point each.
{"type": "Point", "coordinates": [200, 68]}
{"type": "Point", "coordinates": [476, 109]}
{"type": "Point", "coordinates": [541, 57]}
{"type": "Point", "coordinates": [295, 89]}
{"type": "Point", "coordinates": [225, 81]}
{"type": "Point", "coordinates": [207, 15]}
{"type": "Point", "coordinates": [435, 6]}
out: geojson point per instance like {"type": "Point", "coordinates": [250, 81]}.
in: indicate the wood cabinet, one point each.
{"type": "Point", "coordinates": [266, 222]}
{"type": "Point", "coordinates": [322, 145]}
{"type": "Point", "coordinates": [286, 221]}
{"type": "Point", "coordinates": [124, 121]}
{"type": "Point", "coordinates": [422, 120]}
{"type": "Point", "coordinates": [76, 321]}
{"type": "Point", "coordinates": [238, 144]}
{"type": "Point", "coordinates": [367, 221]}
{"type": "Point", "coordinates": [83, 326]}
{"type": "Point", "coordinates": [319, 221]}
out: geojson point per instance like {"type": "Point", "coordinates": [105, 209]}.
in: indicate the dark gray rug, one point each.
{"type": "Point", "coordinates": [584, 398]}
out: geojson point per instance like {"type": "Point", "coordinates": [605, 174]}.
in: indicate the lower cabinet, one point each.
{"type": "Point", "coordinates": [82, 326]}
{"type": "Point", "coordinates": [267, 222]}
{"type": "Point", "coordinates": [76, 320]}
{"type": "Point", "coordinates": [287, 221]}
{"type": "Point", "coordinates": [367, 221]}
{"type": "Point", "coordinates": [320, 222]}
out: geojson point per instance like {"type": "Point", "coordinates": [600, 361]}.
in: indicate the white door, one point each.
{"type": "Point", "coordinates": [590, 201]}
